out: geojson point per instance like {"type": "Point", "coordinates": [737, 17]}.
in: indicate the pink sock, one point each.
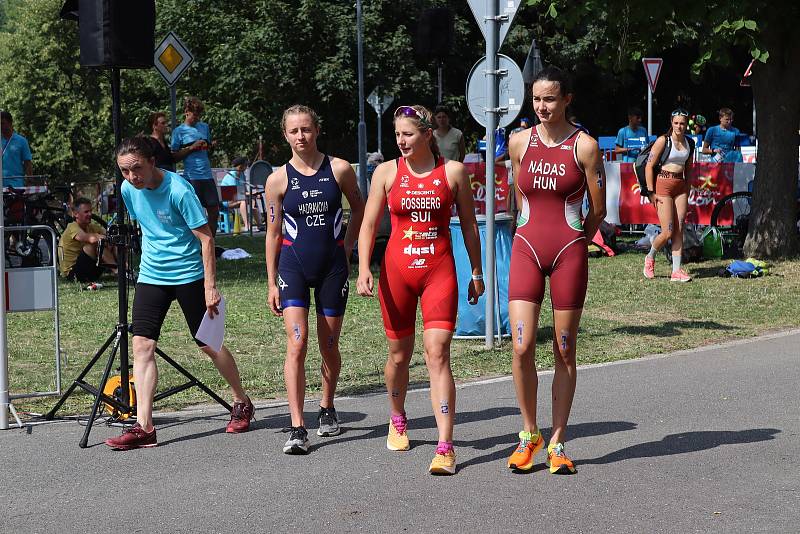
{"type": "Point", "coordinates": [444, 447]}
{"type": "Point", "coordinates": [399, 422]}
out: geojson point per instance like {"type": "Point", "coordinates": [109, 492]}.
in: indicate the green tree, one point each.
{"type": "Point", "coordinates": [252, 60]}
{"type": "Point", "coordinates": [630, 31]}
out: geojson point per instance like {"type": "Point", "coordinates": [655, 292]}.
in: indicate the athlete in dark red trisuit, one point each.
{"type": "Point", "coordinates": [420, 188]}
{"type": "Point", "coordinates": [554, 163]}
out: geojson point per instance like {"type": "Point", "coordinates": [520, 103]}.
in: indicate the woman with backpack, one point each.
{"type": "Point", "coordinates": [665, 172]}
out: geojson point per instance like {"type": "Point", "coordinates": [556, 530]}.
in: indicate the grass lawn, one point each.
{"type": "Point", "coordinates": [625, 316]}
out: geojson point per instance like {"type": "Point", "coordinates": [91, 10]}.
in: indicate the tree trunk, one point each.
{"type": "Point", "coordinates": [773, 229]}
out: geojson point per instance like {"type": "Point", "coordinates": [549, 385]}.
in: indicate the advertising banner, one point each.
{"type": "Point", "coordinates": [708, 183]}
{"type": "Point", "coordinates": [476, 172]}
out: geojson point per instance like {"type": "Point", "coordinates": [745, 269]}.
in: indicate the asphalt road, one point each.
{"type": "Point", "coordinates": [697, 441]}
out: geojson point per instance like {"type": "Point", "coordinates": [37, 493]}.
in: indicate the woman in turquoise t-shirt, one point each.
{"type": "Point", "coordinates": [720, 141]}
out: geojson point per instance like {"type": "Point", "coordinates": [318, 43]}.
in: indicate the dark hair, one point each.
{"type": "Point", "coordinates": [193, 104]}
{"type": "Point", "coordinates": [299, 109]}
{"type": "Point", "coordinates": [554, 74]}
{"type": "Point", "coordinates": [442, 109]}
{"type": "Point", "coordinates": [153, 118]}
{"type": "Point", "coordinates": [635, 112]}
{"type": "Point", "coordinates": [677, 112]}
{"type": "Point", "coordinates": [241, 160]}
{"type": "Point", "coordinates": [135, 145]}
{"type": "Point", "coordinates": [80, 201]}
{"type": "Point", "coordinates": [6, 116]}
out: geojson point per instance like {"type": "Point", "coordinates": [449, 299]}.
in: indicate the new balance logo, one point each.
{"type": "Point", "coordinates": [417, 263]}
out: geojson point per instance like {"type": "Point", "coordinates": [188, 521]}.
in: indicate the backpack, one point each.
{"type": "Point", "coordinates": [641, 162]}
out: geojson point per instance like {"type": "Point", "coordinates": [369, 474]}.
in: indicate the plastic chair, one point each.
{"type": "Point", "coordinates": [607, 143]}
{"type": "Point", "coordinates": [224, 220]}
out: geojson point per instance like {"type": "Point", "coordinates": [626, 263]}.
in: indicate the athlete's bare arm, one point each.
{"type": "Point", "coordinates": [459, 184]}
{"type": "Point", "coordinates": [516, 149]}
{"type": "Point", "coordinates": [275, 190]}
{"type": "Point", "coordinates": [592, 163]}
{"type": "Point", "coordinates": [206, 238]}
{"type": "Point", "coordinates": [346, 178]}
{"type": "Point", "coordinates": [382, 180]}
{"type": "Point", "coordinates": [649, 168]}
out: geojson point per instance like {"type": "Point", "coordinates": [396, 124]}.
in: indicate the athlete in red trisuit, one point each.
{"type": "Point", "coordinates": [420, 188]}
{"type": "Point", "coordinates": [554, 164]}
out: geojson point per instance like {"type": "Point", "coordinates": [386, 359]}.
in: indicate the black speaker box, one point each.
{"type": "Point", "coordinates": [114, 33]}
{"type": "Point", "coordinates": [435, 33]}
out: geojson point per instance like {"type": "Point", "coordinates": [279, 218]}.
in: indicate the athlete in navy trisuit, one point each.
{"type": "Point", "coordinates": [313, 251]}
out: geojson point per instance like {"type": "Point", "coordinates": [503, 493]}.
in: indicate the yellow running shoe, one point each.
{"type": "Point", "coordinates": [558, 461]}
{"type": "Point", "coordinates": [443, 464]}
{"type": "Point", "coordinates": [529, 444]}
{"type": "Point", "coordinates": [397, 440]}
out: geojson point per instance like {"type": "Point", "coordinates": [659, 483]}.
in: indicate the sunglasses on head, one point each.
{"type": "Point", "coordinates": [408, 111]}
{"type": "Point", "coordinates": [680, 113]}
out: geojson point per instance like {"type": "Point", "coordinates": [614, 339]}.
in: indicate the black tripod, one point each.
{"type": "Point", "coordinates": [120, 236]}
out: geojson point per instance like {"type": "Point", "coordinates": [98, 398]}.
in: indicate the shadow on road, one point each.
{"type": "Point", "coordinates": [508, 441]}
{"type": "Point", "coordinates": [670, 328]}
{"type": "Point", "coordinates": [686, 442]}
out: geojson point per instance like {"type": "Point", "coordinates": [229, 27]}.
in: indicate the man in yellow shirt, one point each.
{"type": "Point", "coordinates": [79, 244]}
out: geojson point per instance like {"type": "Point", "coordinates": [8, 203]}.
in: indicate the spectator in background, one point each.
{"type": "Point", "coordinates": [79, 245]}
{"type": "Point", "coordinates": [524, 124]}
{"type": "Point", "coordinates": [235, 177]}
{"type": "Point", "coordinates": [157, 122]}
{"type": "Point", "coordinates": [191, 142]}
{"type": "Point", "coordinates": [16, 153]}
{"type": "Point", "coordinates": [634, 130]}
{"type": "Point", "coordinates": [500, 146]}
{"type": "Point", "coordinates": [450, 139]}
{"type": "Point", "coordinates": [721, 140]}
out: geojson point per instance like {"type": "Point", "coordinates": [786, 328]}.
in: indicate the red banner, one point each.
{"type": "Point", "coordinates": [476, 172]}
{"type": "Point", "coordinates": [708, 183]}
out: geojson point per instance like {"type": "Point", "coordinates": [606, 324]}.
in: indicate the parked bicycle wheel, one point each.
{"type": "Point", "coordinates": [731, 216]}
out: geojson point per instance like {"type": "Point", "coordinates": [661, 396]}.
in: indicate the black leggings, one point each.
{"type": "Point", "coordinates": [151, 303]}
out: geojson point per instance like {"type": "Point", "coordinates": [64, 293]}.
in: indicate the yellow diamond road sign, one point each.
{"type": "Point", "coordinates": [172, 58]}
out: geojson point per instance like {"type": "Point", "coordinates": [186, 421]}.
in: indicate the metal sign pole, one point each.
{"type": "Point", "coordinates": [380, 114]}
{"type": "Point", "coordinates": [173, 106]}
{"type": "Point", "coordinates": [649, 110]}
{"type": "Point", "coordinates": [4, 399]}
{"type": "Point", "coordinates": [491, 126]}
{"type": "Point", "coordinates": [362, 126]}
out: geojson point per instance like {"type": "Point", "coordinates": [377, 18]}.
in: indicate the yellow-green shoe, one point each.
{"type": "Point", "coordinates": [397, 439]}
{"type": "Point", "coordinates": [558, 461]}
{"type": "Point", "coordinates": [443, 464]}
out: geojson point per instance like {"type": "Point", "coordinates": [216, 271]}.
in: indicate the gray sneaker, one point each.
{"type": "Point", "coordinates": [328, 423]}
{"type": "Point", "coordinates": [297, 442]}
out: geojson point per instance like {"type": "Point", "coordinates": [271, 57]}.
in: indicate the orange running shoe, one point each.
{"type": "Point", "coordinates": [558, 461]}
{"type": "Point", "coordinates": [529, 444]}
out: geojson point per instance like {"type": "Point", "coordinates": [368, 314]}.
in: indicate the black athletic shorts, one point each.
{"type": "Point", "coordinates": [85, 269]}
{"type": "Point", "coordinates": [151, 303]}
{"type": "Point", "coordinates": [206, 191]}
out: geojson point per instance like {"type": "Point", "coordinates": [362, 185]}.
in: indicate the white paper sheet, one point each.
{"type": "Point", "coordinates": [212, 331]}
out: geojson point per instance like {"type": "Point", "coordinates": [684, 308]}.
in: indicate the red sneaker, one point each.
{"type": "Point", "coordinates": [133, 438]}
{"type": "Point", "coordinates": [241, 414]}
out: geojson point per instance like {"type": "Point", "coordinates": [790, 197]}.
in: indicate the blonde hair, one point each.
{"type": "Point", "coordinates": [299, 109]}
{"type": "Point", "coordinates": [422, 124]}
